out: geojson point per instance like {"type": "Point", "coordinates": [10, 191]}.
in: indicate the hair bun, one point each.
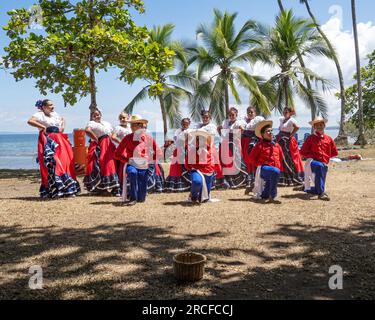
{"type": "Point", "coordinates": [39, 104]}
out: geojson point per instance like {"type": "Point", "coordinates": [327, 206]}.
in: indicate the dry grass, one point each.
{"type": "Point", "coordinates": [93, 248]}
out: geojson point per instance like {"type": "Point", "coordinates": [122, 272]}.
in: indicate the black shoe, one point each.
{"type": "Point", "coordinates": [131, 203]}
{"type": "Point", "coordinates": [248, 190]}
{"type": "Point", "coordinates": [324, 197]}
{"type": "Point", "coordinates": [274, 201]}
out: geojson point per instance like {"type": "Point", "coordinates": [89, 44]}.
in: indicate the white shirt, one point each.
{"type": "Point", "coordinates": [180, 134]}
{"type": "Point", "coordinates": [288, 126]}
{"type": "Point", "coordinates": [210, 128]}
{"type": "Point", "coordinates": [236, 125]}
{"type": "Point", "coordinates": [253, 123]}
{"type": "Point", "coordinates": [54, 120]}
{"type": "Point", "coordinates": [121, 132]}
{"type": "Point", "coordinates": [100, 128]}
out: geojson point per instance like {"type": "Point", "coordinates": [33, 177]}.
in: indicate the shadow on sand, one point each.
{"type": "Point", "coordinates": [133, 261]}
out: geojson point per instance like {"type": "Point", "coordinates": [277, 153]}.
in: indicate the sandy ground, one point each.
{"type": "Point", "coordinates": [92, 248]}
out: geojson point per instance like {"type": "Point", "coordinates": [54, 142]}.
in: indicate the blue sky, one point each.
{"type": "Point", "coordinates": [18, 98]}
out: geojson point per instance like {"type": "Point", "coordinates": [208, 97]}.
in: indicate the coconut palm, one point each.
{"type": "Point", "coordinates": [361, 138]}
{"type": "Point", "coordinates": [284, 43]}
{"type": "Point", "coordinates": [342, 138]}
{"type": "Point", "coordinates": [313, 108]}
{"type": "Point", "coordinates": [175, 86]}
{"type": "Point", "coordinates": [225, 51]}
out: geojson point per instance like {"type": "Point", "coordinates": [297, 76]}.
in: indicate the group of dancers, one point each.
{"type": "Point", "coordinates": [126, 161]}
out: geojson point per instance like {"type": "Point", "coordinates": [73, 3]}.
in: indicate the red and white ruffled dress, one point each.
{"type": "Point", "coordinates": [55, 157]}
{"type": "Point", "coordinates": [101, 173]}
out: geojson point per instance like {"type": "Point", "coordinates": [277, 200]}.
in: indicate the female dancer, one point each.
{"type": "Point", "coordinates": [122, 129]}
{"type": "Point", "coordinates": [292, 175]}
{"type": "Point", "coordinates": [234, 169]}
{"type": "Point", "coordinates": [248, 141]}
{"type": "Point", "coordinates": [178, 179]}
{"type": "Point", "coordinates": [101, 167]}
{"type": "Point", "coordinates": [55, 154]}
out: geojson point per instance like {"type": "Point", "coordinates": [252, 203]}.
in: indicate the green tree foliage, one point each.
{"type": "Point", "coordinates": [78, 40]}
{"type": "Point", "coordinates": [289, 39]}
{"type": "Point", "coordinates": [368, 94]}
{"type": "Point", "coordinates": [172, 89]}
{"type": "Point", "coordinates": [227, 51]}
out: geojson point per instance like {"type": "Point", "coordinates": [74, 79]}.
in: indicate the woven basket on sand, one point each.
{"type": "Point", "coordinates": [189, 266]}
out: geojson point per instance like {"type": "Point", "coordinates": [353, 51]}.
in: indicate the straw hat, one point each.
{"type": "Point", "coordinates": [137, 119]}
{"type": "Point", "coordinates": [260, 126]}
{"type": "Point", "coordinates": [317, 120]}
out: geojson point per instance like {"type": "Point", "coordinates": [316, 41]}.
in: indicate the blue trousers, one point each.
{"type": "Point", "coordinates": [320, 170]}
{"type": "Point", "coordinates": [271, 177]}
{"type": "Point", "coordinates": [197, 185]}
{"type": "Point", "coordinates": [138, 183]}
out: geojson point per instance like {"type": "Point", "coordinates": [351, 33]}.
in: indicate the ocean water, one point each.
{"type": "Point", "coordinates": [19, 151]}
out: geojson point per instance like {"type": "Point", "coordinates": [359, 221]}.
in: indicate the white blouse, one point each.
{"type": "Point", "coordinates": [100, 128]}
{"type": "Point", "coordinates": [210, 128]}
{"type": "Point", "coordinates": [236, 125]}
{"type": "Point", "coordinates": [253, 123]}
{"type": "Point", "coordinates": [180, 134]}
{"type": "Point", "coordinates": [121, 132]}
{"type": "Point", "coordinates": [54, 120]}
{"type": "Point", "coordinates": [288, 126]}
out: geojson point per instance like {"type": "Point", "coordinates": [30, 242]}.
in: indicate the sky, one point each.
{"type": "Point", "coordinates": [18, 98]}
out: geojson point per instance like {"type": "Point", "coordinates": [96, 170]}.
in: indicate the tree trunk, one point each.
{"type": "Point", "coordinates": [361, 138]}
{"type": "Point", "coordinates": [226, 98]}
{"type": "Point", "coordinates": [286, 92]}
{"type": "Point", "coordinates": [93, 105]}
{"type": "Point", "coordinates": [164, 115]}
{"type": "Point", "coordinates": [281, 5]}
{"type": "Point", "coordinates": [342, 138]}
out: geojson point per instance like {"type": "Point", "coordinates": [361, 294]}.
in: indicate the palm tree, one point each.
{"type": "Point", "coordinates": [342, 138]}
{"type": "Point", "coordinates": [225, 50]}
{"type": "Point", "coordinates": [313, 108]}
{"type": "Point", "coordinates": [361, 138]}
{"type": "Point", "coordinates": [175, 87]}
{"type": "Point", "coordinates": [288, 40]}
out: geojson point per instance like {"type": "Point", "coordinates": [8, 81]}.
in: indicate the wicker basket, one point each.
{"type": "Point", "coordinates": [189, 266]}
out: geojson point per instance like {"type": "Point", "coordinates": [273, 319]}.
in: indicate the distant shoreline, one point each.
{"type": "Point", "coordinates": [157, 132]}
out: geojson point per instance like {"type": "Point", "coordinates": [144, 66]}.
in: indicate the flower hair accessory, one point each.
{"type": "Point", "coordinates": [39, 104]}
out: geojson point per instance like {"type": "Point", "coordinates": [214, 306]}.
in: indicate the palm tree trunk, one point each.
{"type": "Point", "coordinates": [361, 138]}
{"type": "Point", "coordinates": [226, 98]}
{"type": "Point", "coordinates": [342, 138]}
{"type": "Point", "coordinates": [164, 115]}
{"type": "Point", "coordinates": [93, 105]}
{"type": "Point", "coordinates": [286, 92]}
{"type": "Point", "coordinates": [281, 5]}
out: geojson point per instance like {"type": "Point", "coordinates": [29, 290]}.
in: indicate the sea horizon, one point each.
{"type": "Point", "coordinates": [18, 150]}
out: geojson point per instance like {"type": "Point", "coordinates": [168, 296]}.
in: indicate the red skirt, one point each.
{"type": "Point", "coordinates": [248, 141]}
{"type": "Point", "coordinates": [293, 170]}
{"type": "Point", "coordinates": [101, 173]}
{"type": "Point", "coordinates": [56, 161]}
{"type": "Point", "coordinates": [179, 178]}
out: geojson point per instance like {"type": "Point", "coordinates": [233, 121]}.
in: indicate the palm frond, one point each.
{"type": "Point", "coordinates": [201, 99]}
{"type": "Point", "coordinates": [141, 95]}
